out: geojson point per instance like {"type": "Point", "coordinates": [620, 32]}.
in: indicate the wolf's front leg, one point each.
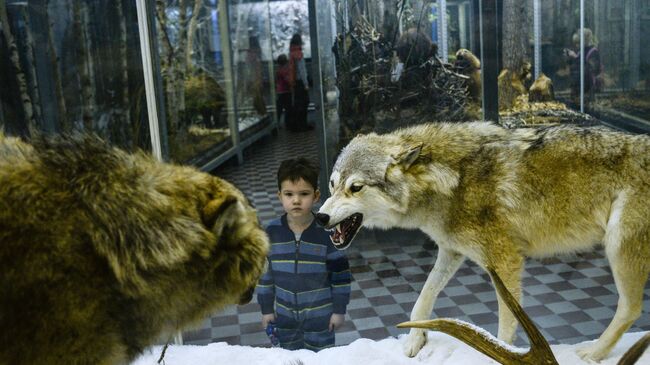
{"type": "Point", "coordinates": [446, 265]}
{"type": "Point", "coordinates": [510, 273]}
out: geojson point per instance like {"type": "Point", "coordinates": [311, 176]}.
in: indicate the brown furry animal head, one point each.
{"type": "Point", "coordinates": [541, 90]}
{"type": "Point", "coordinates": [415, 47]}
{"type": "Point", "coordinates": [103, 252]}
{"type": "Point", "coordinates": [469, 65]}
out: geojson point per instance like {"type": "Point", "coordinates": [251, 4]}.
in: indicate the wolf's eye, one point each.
{"type": "Point", "coordinates": [356, 188]}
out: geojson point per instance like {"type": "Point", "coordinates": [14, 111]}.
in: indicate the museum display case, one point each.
{"type": "Point", "coordinates": [375, 66]}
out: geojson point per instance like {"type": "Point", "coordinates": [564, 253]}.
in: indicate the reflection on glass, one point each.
{"type": "Point", "coordinates": [252, 64]}
{"type": "Point", "coordinates": [624, 75]}
{"type": "Point", "coordinates": [614, 83]}
{"type": "Point", "coordinates": [289, 17]}
{"type": "Point", "coordinates": [73, 66]}
{"type": "Point", "coordinates": [194, 81]}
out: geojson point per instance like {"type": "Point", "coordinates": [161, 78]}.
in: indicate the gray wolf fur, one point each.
{"type": "Point", "coordinates": [102, 252]}
{"type": "Point", "coordinates": [498, 196]}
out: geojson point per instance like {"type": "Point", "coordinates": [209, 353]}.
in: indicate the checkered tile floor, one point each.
{"type": "Point", "coordinates": [571, 299]}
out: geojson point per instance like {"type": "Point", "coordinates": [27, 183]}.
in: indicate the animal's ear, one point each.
{"type": "Point", "coordinates": [407, 156]}
{"type": "Point", "coordinates": [221, 212]}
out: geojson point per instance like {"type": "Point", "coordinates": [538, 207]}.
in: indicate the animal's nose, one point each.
{"type": "Point", "coordinates": [322, 219]}
{"type": "Point", "coordinates": [247, 296]}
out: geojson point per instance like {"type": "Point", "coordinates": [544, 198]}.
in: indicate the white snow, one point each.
{"type": "Point", "coordinates": [441, 349]}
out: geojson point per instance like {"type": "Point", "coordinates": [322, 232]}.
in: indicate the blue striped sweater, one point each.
{"type": "Point", "coordinates": [305, 279]}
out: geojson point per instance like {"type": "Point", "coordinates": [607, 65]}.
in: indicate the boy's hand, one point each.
{"type": "Point", "coordinates": [266, 318]}
{"type": "Point", "coordinates": [336, 321]}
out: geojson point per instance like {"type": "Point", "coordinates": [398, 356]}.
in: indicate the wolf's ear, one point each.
{"type": "Point", "coordinates": [407, 156]}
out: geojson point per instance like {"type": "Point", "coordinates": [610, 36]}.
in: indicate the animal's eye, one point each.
{"type": "Point", "coordinates": [332, 183]}
{"type": "Point", "coordinates": [356, 188]}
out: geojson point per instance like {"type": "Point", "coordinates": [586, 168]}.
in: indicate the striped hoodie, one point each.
{"type": "Point", "coordinates": [305, 279]}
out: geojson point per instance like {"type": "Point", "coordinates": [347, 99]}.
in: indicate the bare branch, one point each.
{"type": "Point", "coordinates": [191, 30]}
{"type": "Point", "coordinates": [539, 352]}
{"type": "Point", "coordinates": [28, 106]}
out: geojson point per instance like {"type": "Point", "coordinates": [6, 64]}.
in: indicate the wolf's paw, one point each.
{"type": "Point", "coordinates": [414, 342]}
{"type": "Point", "coordinates": [591, 354]}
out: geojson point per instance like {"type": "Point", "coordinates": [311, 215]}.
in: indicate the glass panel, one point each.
{"type": "Point", "coordinates": [289, 17]}
{"type": "Point", "coordinates": [73, 65]}
{"type": "Point", "coordinates": [624, 74]}
{"type": "Point", "coordinates": [193, 60]}
{"type": "Point", "coordinates": [387, 74]}
{"type": "Point", "coordinates": [460, 28]}
{"type": "Point", "coordinates": [252, 64]}
{"type": "Point", "coordinates": [386, 77]}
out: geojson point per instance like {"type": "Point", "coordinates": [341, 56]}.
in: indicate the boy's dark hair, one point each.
{"type": "Point", "coordinates": [296, 168]}
{"type": "Point", "coordinates": [282, 59]}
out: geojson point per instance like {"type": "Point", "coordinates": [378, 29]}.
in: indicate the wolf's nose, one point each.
{"type": "Point", "coordinates": [322, 219]}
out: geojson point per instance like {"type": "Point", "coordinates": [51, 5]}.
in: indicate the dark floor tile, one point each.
{"type": "Point", "coordinates": [248, 308]}
{"type": "Point", "coordinates": [480, 287]}
{"type": "Point", "coordinates": [561, 286]}
{"type": "Point", "coordinates": [360, 269]}
{"type": "Point", "coordinates": [375, 333]}
{"type": "Point", "coordinates": [392, 250]}
{"type": "Point", "coordinates": [224, 320]}
{"type": "Point", "coordinates": [197, 335]}
{"type": "Point", "coordinates": [597, 291]}
{"type": "Point", "coordinates": [347, 326]}
{"type": "Point", "coordinates": [465, 299]}
{"type": "Point", "coordinates": [378, 260]}
{"type": "Point", "coordinates": [388, 273]}
{"type": "Point", "coordinates": [415, 278]}
{"type": "Point", "coordinates": [484, 318]}
{"type": "Point", "coordinates": [367, 284]}
{"type": "Point", "coordinates": [251, 327]}
{"type": "Point", "coordinates": [548, 298]}
{"type": "Point", "coordinates": [382, 300]}
{"type": "Point", "coordinates": [537, 311]}
{"type": "Point", "coordinates": [538, 271]}
{"type": "Point", "coordinates": [576, 317]}
{"type": "Point", "coordinates": [421, 254]}
{"type": "Point", "coordinates": [493, 305]}
{"type": "Point", "coordinates": [562, 332]}
{"type": "Point", "coordinates": [449, 312]}
{"type": "Point", "coordinates": [586, 303]}
{"type": "Point", "coordinates": [232, 340]}
{"type": "Point", "coordinates": [465, 271]}
{"type": "Point", "coordinates": [362, 313]}
{"type": "Point", "coordinates": [394, 319]}
{"type": "Point", "coordinates": [408, 307]}
{"type": "Point", "coordinates": [398, 289]}
{"type": "Point", "coordinates": [579, 265]}
{"type": "Point", "coordinates": [569, 275]}
{"type": "Point", "coordinates": [404, 263]}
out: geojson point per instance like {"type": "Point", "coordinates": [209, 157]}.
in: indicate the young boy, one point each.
{"type": "Point", "coordinates": [308, 280]}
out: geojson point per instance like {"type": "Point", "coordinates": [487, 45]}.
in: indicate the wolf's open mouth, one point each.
{"type": "Point", "coordinates": [344, 232]}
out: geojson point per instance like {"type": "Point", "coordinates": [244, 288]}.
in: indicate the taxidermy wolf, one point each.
{"type": "Point", "coordinates": [497, 196]}
{"type": "Point", "coordinates": [103, 252]}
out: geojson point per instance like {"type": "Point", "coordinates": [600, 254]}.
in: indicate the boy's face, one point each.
{"type": "Point", "coordinates": [298, 197]}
